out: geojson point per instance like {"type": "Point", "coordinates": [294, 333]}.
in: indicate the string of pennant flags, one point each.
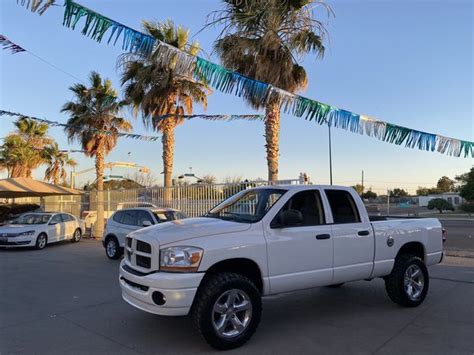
{"type": "Point", "coordinates": [96, 26]}
{"type": "Point", "coordinates": [79, 128]}
{"type": "Point", "coordinates": [9, 45]}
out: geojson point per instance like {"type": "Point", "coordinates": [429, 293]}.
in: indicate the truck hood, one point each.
{"type": "Point", "coordinates": [190, 228]}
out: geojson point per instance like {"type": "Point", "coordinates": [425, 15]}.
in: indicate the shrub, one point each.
{"type": "Point", "coordinates": [440, 204]}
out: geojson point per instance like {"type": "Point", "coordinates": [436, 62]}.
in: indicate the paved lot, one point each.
{"type": "Point", "coordinates": [66, 300]}
{"type": "Point", "coordinates": [460, 234]}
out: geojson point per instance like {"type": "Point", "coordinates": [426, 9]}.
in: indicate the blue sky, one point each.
{"type": "Point", "coordinates": [406, 62]}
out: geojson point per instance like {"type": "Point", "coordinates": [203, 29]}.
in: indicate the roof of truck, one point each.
{"type": "Point", "coordinates": [303, 187]}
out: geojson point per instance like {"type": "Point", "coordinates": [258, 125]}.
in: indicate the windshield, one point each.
{"type": "Point", "coordinates": [164, 216]}
{"type": "Point", "coordinates": [247, 206]}
{"type": "Point", "coordinates": [33, 219]}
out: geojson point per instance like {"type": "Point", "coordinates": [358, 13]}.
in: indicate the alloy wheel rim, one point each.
{"type": "Point", "coordinates": [413, 282]}
{"type": "Point", "coordinates": [111, 249]}
{"type": "Point", "coordinates": [231, 313]}
{"type": "Point", "coordinates": [77, 236]}
{"type": "Point", "coordinates": [42, 242]}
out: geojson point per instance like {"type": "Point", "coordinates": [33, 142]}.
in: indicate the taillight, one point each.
{"type": "Point", "coordinates": [444, 234]}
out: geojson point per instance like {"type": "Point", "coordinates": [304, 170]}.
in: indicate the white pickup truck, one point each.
{"type": "Point", "coordinates": [270, 240]}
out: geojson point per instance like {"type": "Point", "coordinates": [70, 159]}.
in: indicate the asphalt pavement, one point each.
{"type": "Point", "coordinates": [459, 235]}
{"type": "Point", "coordinates": [66, 299]}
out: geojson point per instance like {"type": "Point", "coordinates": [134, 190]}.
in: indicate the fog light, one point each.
{"type": "Point", "coordinates": [158, 298]}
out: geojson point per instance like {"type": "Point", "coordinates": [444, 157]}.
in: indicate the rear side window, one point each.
{"type": "Point", "coordinates": [118, 217]}
{"type": "Point", "coordinates": [130, 218]}
{"type": "Point", "coordinates": [343, 207]}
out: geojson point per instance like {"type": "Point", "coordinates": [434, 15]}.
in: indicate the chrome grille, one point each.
{"type": "Point", "coordinates": [139, 255]}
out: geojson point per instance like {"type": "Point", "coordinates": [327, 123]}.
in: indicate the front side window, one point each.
{"type": "Point", "coordinates": [343, 207]}
{"type": "Point", "coordinates": [143, 216]}
{"type": "Point", "coordinates": [309, 204]}
{"type": "Point", "coordinates": [118, 217]}
{"type": "Point", "coordinates": [247, 206]}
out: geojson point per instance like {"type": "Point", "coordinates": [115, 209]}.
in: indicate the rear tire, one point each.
{"type": "Point", "coordinates": [76, 237]}
{"type": "Point", "coordinates": [112, 248]}
{"type": "Point", "coordinates": [41, 241]}
{"type": "Point", "coordinates": [227, 310]}
{"type": "Point", "coordinates": [408, 283]}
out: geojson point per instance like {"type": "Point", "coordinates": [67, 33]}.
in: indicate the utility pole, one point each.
{"type": "Point", "coordinates": [330, 155]}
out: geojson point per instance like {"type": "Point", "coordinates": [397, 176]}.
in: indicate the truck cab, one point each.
{"type": "Point", "coordinates": [271, 240]}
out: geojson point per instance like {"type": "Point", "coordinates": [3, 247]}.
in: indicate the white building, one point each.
{"type": "Point", "coordinates": [451, 197]}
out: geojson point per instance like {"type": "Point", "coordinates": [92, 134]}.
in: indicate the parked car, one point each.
{"type": "Point", "coordinates": [128, 220]}
{"type": "Point", "coordinates": [39, 229]}
{"type": "Point", "coordinates": [270, 240]}
{"type": "Point", "coordinates": [122, 205]}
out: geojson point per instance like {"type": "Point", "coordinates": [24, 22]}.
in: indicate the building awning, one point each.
{"type": "Point", "coordinates": [25, 187]}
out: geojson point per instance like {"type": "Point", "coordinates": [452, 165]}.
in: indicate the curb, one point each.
{"type": "Point", "coordinates": [460, 253]}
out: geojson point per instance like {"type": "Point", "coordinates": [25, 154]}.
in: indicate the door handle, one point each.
{"type": "Point", "coordinates": [362, 233]}
{"type": "Point", "coordinates": [323, 236]}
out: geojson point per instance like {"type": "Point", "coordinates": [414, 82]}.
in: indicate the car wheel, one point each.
{"type": "Point", "coordinates": [407, 284]}
{"type": "Point", "coordinates": [41, 241]}
{"type": "Point", "coordinates": [112, 249]}
{"type": "Point", "coordinates": [76, 237]}
{"type": "Point", "coordinates": [227, 310]}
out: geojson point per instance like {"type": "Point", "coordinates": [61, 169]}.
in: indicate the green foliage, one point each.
{"type": "Point", "coordinates": [466, 189]}
{"type": "Point", "coordinates": [440, 204]}
{"type": "Point", "coordinates": [359, 189]}
{"type": "Point", "coordinates": [445, 184]}
{"type": "Point", "coordinates": [425, 191]}
{"type": "Point", "coordinates": [93, 108]}
{"type": "Point", "coordinates": [467, 207]}
{"type": "Point", "coordinates": [397, 193]}
{"type": "Point", "coordinates": [369, 195]}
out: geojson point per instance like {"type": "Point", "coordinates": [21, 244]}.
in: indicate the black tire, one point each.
{"type": "Point", "coordinates": [41, 241]}
{"type": "Point", "coordinates": [112, 248]}
{"type": "Point", "coordinates": [77, 236]}
{"type": "Point", "coordinates": [336, 285]}
{"type": "Point", "coordinates": [212, 289]}
{"type": "Point", "coordinates": [395, 282]}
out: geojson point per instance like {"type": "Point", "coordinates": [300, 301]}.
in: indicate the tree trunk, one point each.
{"type": "Point", "coordinates": [99, 171]}
{"type": "Point", "coordinates": [167, 140]}
{"type": "Point", "coordinates": [272, 138]}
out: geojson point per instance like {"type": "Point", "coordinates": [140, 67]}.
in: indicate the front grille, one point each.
{"type": "Point", "coordinates": [143, 247]}
{"type": "Point", "coordinates": [143, 261]}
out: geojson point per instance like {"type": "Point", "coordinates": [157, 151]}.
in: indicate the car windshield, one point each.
{"type": "Point", "coordinates": [247, 206]}
{"type": "Point", "coordinates": [163, 216]}
{"type": "Point", "coordinates": [34, 218]}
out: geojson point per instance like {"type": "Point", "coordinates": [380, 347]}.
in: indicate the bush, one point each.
{"type": "Point", "coordinates": [440, 204]}
{"type": "Point", "coordinates": [467, 207]}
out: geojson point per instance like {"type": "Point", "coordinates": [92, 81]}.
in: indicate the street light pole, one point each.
{"type": "Point", "coordinates": [330, 155]}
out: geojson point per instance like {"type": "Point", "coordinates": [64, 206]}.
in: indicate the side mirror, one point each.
{"type": "Point", "coordinates": [146, 223]}
{"type": "Point", "coordinates": [53, 223]}
{"type": "Point", "coordinates": [288, 218]}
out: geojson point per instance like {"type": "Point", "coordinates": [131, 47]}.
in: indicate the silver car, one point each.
{"type": "Point", "coordinates": [128, 220]}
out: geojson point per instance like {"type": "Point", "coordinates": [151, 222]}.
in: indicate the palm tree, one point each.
{"type": "Point", "coordinates": [21, 151]}
{"type": "Point", "coordinates": [96, 109]}
{"type": "Point", "coordinates": [56, 161]}
{"type": "Point", "coordinates": [261, 39]}
{"type": "Point", "coordinates": [155, 89]}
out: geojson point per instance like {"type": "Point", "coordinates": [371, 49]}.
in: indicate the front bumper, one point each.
{"type": "Point", "coordinates": [178, 289]}
{"type": "Point", "coordinates": [8, 242]}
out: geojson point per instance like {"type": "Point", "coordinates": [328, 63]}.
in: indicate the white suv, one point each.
{"type": "Point", "coordinates": [128, 220]}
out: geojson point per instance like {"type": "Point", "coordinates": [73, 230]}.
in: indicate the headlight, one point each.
{"type": "Point", "coordinates": [26, 234]}
{"type": "Point", "coordinates": [180, 259]}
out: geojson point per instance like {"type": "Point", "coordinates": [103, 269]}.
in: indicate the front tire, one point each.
{"type": "Point", "coordinates": [41, 241]}
{"type": "Point", "coordinates": [227, 310]}
{"type": "Point", "coordinates": [112, 249]}
{"type": "Point", "coordinates": [76, 237]}
{"type": "Point", "coordinates": [408, 283]}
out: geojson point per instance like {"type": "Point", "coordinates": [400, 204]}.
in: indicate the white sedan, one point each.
{"type": "Point", "coordinates": [39, 229]}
